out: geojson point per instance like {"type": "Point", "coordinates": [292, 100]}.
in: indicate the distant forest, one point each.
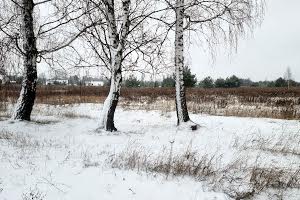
{"type": "Point", "coordinates": [190, 80]}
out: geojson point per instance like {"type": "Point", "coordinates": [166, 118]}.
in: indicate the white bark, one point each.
{"type": "Point", "coordinates": [117, 42]}
{"type": "Point", "coordinates": [28, 92]}
{"type": "Point", "coordinates": [27, 95]}
{"type": "Point", "coordinates": [288, 76]}
{"type": "Point", "coordinates": [181, 106]}
{"type": "Point", "coordinates": [179, 58]}
{"type": "Point", "coordinates": [113, 96]}
{"type": "Point", "coordinates": [182, 113]}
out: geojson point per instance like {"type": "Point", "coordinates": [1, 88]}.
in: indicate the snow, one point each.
{"type": "Point", "coordinates": [61, 155]}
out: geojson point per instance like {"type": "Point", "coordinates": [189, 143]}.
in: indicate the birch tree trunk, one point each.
{"type": "Point", "coordinates": [117, 42]}
{"type": "Point", "coordinates": [181, 107]}
{"type": "Point", "coordinates": [111, 102]}
{"type": "Point", "coordinates": [28, 91]}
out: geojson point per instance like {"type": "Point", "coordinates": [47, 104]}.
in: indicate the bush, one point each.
{"type": "Point", "coordinates": [168, 82]}
{"type": "Point", "coordinates": [280, 82]}
{"type": "Point", "coordinates": [189, 79]}
{"type": "Point", "coordinates": [207, 82]}
{"type": "Point", "coordinates": [132, 81]}
{"type": "Point", "coordinates": [232, 82]}
{"type": "Point", "coordinates": [220, 83]}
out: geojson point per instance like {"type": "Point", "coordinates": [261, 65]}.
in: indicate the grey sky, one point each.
{"type": "Point", "coordinates": [266, 55]}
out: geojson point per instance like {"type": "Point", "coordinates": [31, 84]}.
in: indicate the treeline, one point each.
{"type": "Point", "coordinates": [190, 80]}
{"type": "Point", "coordinates": [67, 80]}
{"type": "Point", "coordinates": [234, 82]}
{"type": "Point", "coordinates": [208, 82]}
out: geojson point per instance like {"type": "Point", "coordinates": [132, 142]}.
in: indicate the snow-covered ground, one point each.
{"type": "Point", "coordinates": [60, 155]}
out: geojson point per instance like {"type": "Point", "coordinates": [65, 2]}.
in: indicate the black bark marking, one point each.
{"type": "Point", "coordinates": [110, 125]}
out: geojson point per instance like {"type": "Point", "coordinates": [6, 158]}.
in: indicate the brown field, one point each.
{"type": "Point", "coordinates": [246, 102]}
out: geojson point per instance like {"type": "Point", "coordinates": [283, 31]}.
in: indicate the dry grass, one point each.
{"type": "Point", "coordinates": [250, 94]}
{"type": "Point", "coordinates": [44, 121]}
{"type": "Point", "coordinates": [5, 135]}
{"type": "Point", "coordinates": [245, 102]}
{"type": "Point", "coordinates": [238, 179]}
{"type": "Point", "coordinates": [277, 178]}
{"type": "Point", "coordinates": [87, 160]}
{"type": "Point", "coordinates": [3, 107]}
{"type": "Point", "coordinates": [4, 111]}
{"type": "Point", "coordinates": [48, 110]}
{"type": "Point", "coordinates": [250, 180]}
{"type": "Point", "coordinates": [189, 163]}
{"type": "Point", "coordinates": [284, 144]}
{"type": "Point", "coordinates": [33, 194]}
{"type": "Point", "coordinates": [73, 115]}
{"type": "Point", "coordinates": [242, 181]}
{"type": "Point", "coordinates": [23, 141]}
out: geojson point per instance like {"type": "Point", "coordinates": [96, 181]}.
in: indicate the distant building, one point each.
{"type": "Point", "coordinates": [74, 80]}
{"type": "Point", "coordinates": [57, 82]}
{"type": "Point", "coordinates": [94, 83]}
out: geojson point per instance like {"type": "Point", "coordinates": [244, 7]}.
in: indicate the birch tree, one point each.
{"type": "Point", "coordinates": [215, 21]}
{"type": "Point", "coordinates": [124, 42]}
{"type": "Point", "coordinates": [34, 39]}
{"type": "Point", "coordinates": [117, 41]}
{"type": "Point", "coordinates": [288, 76]}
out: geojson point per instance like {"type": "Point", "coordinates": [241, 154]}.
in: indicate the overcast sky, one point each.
{"type": "Point", "coordinates": [266, 55]}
